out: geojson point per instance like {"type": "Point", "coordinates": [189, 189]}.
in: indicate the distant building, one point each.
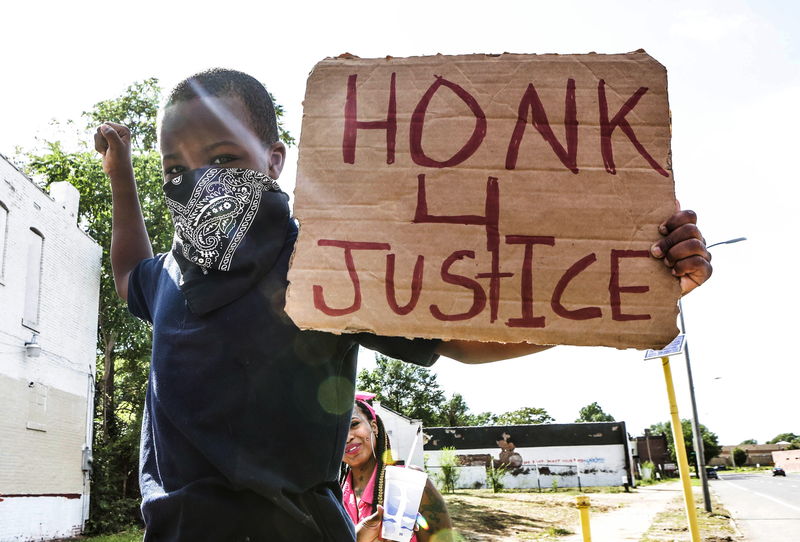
{"type": "Point", "coordinates": [49, 289]}
{"type": "Point", "coordinates": [757, 454]}
{"type": "Point", "coordinates": [567, 455]}
{"type": "Point", "coordinates": [653, 448]}
{"type": "Point", "coordinates": [789, 460]}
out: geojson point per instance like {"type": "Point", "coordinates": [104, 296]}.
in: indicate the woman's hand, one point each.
{"type": "Point", "coordinates": [369, 528]}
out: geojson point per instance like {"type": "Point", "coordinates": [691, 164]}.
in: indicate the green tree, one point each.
{"type": "Point", "coordinates": [123, 347]}
{"type": "Point", "coordinates": [739, 457]}
{"type": "Point", "coordinates": [525, 415]}
{"type": "Point", "coordinates": [482, 418]}
{"type": "Point", "coordinates": [408, 389]}
{"type": "Point", "coordinates": [711, 446]}
{"type": "Point", "coordinates": [749, 441]}
{"type": "Point", "coordinates": [785, 437]}
{"type": "Point", "coordinates": [455, 412]}
{"type": "Point", "coordinates": [593, 413]}
{"type": "Point", "coordinates": [137, 109]}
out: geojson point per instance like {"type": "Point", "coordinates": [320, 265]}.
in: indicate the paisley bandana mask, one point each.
{"type": "Point", "coordinates": [212, 210]}
{"type": "Point", "coordinates": [230, 226]}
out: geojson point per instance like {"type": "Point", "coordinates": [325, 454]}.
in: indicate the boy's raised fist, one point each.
{"type": "Point", "coordinates": [113, 141]}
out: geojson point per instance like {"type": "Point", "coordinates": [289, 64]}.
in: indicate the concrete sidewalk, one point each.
{"type": "Point", "coordinates": [632, 520]}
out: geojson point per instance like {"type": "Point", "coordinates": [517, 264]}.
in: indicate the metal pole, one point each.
{"type": "Point", "coordinates": [680, 452]}
{"type": "Point", "coordinates": [700, 460]}
{"type": "Point", "coordinates": [696, 435]}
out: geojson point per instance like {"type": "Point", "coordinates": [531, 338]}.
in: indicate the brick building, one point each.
{"type": "Point", "coordinates": [49, 290]}
{"type": "Point", "coordinates": [653, 448]}
{"type": "Point", "coordinates": [757, 454]}
{"type": "Point", "coordinates": [789, 460]}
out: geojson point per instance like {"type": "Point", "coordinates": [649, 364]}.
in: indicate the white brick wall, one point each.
{"type": "Point", "coordinates": [45, 400]}
{"type": "Point", "coordinates": [53, 518]}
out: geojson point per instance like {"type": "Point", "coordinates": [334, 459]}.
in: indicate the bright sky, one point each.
{"type": "Point", "coordinates": [734, 84]}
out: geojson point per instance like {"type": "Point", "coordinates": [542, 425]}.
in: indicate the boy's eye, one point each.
{"type": "Point", "coordinates": [222, 159]}
{"type": "Point", "coordinates": [174, 170]}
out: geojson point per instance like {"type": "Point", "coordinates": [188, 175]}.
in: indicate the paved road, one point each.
{"type": "Point", "coordinates": [766, 508]}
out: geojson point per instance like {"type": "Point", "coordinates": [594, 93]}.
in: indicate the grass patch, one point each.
{"type": "Point", "coordinates": [749, 469]}
{"type": "Point", "coordinates": [558, 531]}
{"type": "Point", "coordinates": [480, 515]}
{"type": "Point", "coordinates": [671, 525]}
{"type": "Point", "coordinates": [656, 481]}
{"type": "Point", "coordinates": [129, 535]}
{"type": "Point", "coordinates": [568, 490]}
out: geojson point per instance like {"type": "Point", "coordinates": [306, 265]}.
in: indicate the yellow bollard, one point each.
{"type": "Point", "coordinates": [680, 452]}
{"type": "Point", "coordinates": [582, 503]}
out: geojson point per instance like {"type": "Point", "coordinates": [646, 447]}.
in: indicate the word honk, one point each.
{"type": "Point", "coordinates": [530, 108]}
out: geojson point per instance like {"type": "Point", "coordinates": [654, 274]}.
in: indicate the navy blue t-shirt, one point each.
{"type": "Point", "coordinates": [246, 416]}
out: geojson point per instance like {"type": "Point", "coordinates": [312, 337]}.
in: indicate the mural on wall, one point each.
{"type": "Point", "coordinates": [584, 454]}
{"type": "Point", "coordinates": [508, 458]}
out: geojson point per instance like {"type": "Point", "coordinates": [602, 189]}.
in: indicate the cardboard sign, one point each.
{"type": "Point", "coordinates": [508, 198]}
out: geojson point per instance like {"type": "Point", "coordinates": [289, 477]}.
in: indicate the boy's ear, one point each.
{"type": "Point", "coordinates": [276, 156]}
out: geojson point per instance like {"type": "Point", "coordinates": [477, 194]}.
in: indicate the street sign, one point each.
{"type": "Point", "coordinates": [673, 348]}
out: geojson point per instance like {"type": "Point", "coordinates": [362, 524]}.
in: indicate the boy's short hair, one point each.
{"type": "Point", "coordinates": [220, 82]}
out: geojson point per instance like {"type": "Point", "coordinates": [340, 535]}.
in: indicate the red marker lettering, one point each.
{"type": "Point", "coordinates": [416, 285]}
{"type": "Point", "coordinates": [478, 295]}
{"type": "Point", "coordinates": [418, 122]}
{"type": "Point", "coordinates": [526, 294]}
{"type": "Point", "coordinates": [615, 289]}
{"type": "Point", "coordinates": [349, 247]}
{"type": "Point", "coordinates": [352, 124]}
{"type": "Point", "coordinates": [584, 313]}
{"type": "Point", "coordinates": [607, 128]}
{"type": "Point", "coordinates": [530, 101]}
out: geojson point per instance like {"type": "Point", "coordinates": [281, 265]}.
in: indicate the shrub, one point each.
{"type": "Point", "coordinates": [494, 475]}
{"type": "Point", "coordinates": [448, 475]}
{"type": "Point", "coordinates": [648, 471]}
{"type": "Point", "coordinates": [739, 457]}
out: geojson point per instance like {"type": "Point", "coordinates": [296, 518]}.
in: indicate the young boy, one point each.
{"type": "Point", "coordinates": [246, 416]}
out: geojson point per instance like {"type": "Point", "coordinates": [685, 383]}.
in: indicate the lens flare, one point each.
{"type": "Point", "coordinates": [335, 395]}
{"type": "Point", "coordinates": [234, 123]}
{"type": "Point", "coordinates": [422, 522]}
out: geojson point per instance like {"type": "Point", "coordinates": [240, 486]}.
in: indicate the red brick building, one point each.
{"type": "Point", "coordinates": [788, 459]}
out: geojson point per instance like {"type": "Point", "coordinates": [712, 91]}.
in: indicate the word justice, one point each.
{"type": "Point", "coordinates": [490, 221]}
{"type": "Point", "coordinates": [530, 105]}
